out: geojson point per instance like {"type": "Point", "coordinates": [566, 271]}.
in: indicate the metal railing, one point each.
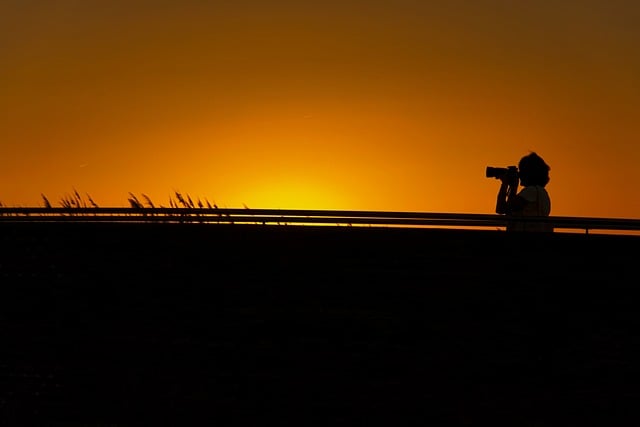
{"type": "Point", "coordinates": [308, 217]}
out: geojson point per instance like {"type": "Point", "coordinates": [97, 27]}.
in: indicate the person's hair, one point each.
{"type": "Point", "coordinates": [533, 170]}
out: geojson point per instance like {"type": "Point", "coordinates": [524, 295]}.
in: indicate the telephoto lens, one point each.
{"type": "Point", "coordinates": [498, 173]}
{"type": "Point", "coordinates": [495, 172]}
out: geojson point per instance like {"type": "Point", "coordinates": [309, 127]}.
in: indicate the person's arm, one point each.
{"type": "Point", "coordinates": [508, 200]}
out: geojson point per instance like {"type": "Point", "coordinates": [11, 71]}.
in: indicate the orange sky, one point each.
{"type": "Point", "coordinates": [353, 104]}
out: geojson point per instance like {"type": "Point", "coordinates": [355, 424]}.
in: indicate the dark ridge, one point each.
{"type": "Point", "coordinates": [119, 324]}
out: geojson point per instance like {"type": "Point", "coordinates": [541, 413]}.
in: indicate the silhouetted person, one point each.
{"type": "Point", "coordinates": [532, 201]}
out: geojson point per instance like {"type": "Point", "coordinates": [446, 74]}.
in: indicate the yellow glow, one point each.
{"type": "Point", "coordinates": [293, 194]}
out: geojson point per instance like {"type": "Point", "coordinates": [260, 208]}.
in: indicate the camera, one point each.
{"type": "Point", "coordinates": [498, 173]}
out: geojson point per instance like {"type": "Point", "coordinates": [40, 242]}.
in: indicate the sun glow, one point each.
{"type": "Point", "coordinates": [294, 193]}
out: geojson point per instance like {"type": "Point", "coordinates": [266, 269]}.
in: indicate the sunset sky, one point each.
{"type": "Point", "coordinates": [352, 104]}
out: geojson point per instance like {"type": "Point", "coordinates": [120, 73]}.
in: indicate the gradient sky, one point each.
{"type": "Point", "coordinates": [352, 104]}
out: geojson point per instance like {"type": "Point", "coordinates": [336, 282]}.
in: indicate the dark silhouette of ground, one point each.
{"type": "Point", "coordinates": [172, 323]}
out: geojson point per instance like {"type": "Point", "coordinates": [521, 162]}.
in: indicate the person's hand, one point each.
{"type": "Point", "coordinates": [509, 179]}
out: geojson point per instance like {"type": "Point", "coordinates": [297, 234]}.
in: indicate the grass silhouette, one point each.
{"type": "Point", "coordinates": [46, 201]}
{"type": "Point", "coordinates": [75, 200]}
{"type": "Point", "coordinates": [72, 201]}
{"type": "Point", "coordinates": [134, 203]}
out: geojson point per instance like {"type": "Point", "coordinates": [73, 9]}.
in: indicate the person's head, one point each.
{"type": "Point", "coordinates": [533, 170]}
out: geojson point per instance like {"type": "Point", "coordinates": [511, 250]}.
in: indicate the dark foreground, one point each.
{"type": "Point", "coordinates": [119, 324]}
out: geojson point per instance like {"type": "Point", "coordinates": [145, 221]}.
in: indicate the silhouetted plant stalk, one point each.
{"type": "Point", "coordinates": [148, 200]}
{"type": "Point", "coordinates": [73, 201]}
{"type": "Point", "coordinates": [47, 204]}
{"type": "Point", "coordinates": [76, 204]}
{"type": "Point", "coordinates": [134, 203]}
{"type": "Point", "coordinates": [93, 204]}
{"type": "Point", "coordinates": [179, 201]}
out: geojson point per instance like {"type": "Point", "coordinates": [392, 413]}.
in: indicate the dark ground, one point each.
{"type": "Point", "coordinates": [119, 324]}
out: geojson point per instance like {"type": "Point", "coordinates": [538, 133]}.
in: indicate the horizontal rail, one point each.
{"type": "Point", "coordinates": [304, 216]}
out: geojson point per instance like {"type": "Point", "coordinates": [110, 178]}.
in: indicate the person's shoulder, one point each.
{"type": "Point", "coordinates": [529, 193]}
